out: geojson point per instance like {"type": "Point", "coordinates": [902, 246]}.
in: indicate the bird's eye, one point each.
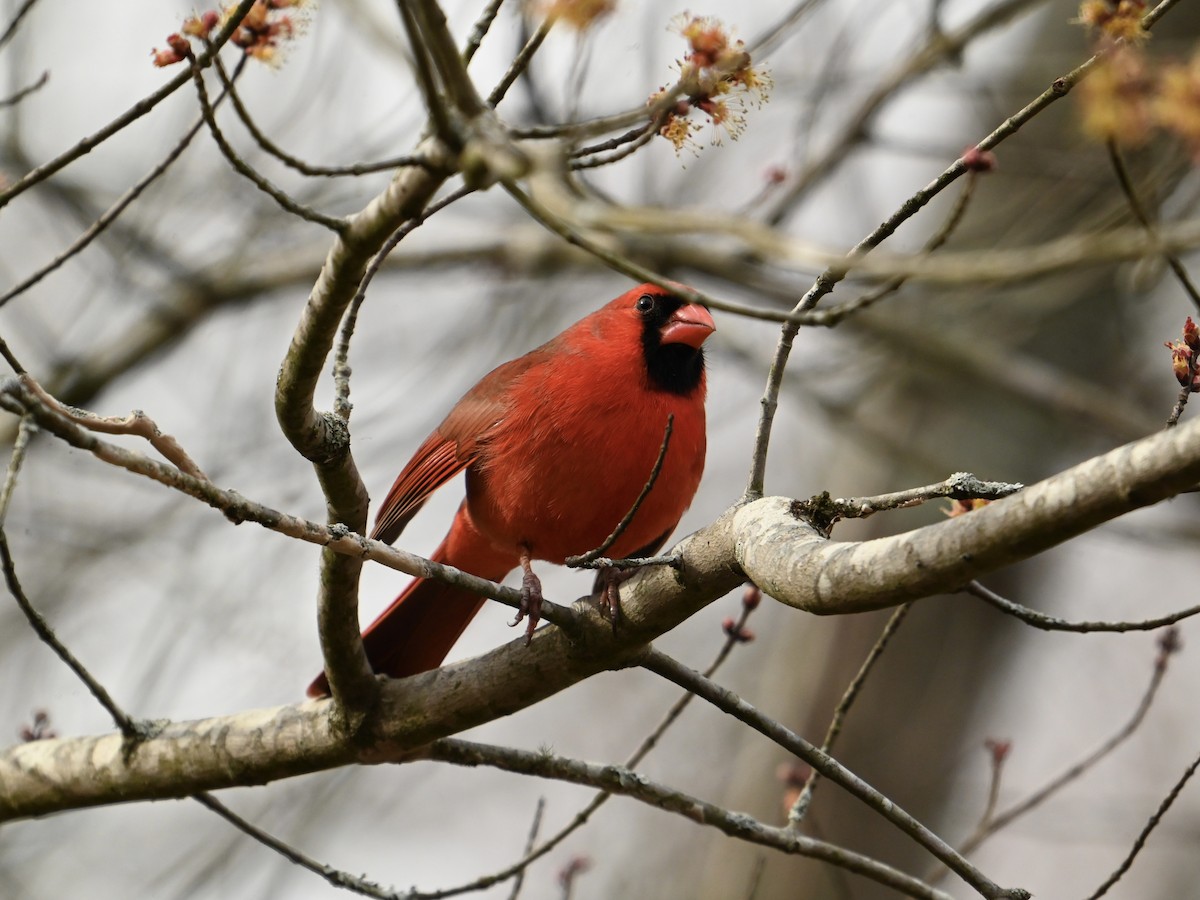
{"type": "Point", "coordinates": [645, 303]}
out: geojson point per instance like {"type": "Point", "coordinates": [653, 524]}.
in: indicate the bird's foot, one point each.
{"type": "Point", "coordinates": [608, 582]}
{"type": "Point", "coordinates": [531, 598]}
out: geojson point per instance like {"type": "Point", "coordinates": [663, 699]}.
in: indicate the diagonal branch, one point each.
{"type": "Point", "coordinates": [626, 782]}
{"type": "Point", "coordinates": [759, 539]}
{"type": "Point", "coordinates": [728, 702]}
{"type": "Point", "coordinates": [232, 22]}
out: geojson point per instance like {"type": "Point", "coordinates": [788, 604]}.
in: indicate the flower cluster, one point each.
{"type": "Point", "coordinates": [261, 33]}
{"type": "Point", "coordinates": [1185, 357]}
{"type": "Point", "coordinates": [717, 78]}
{"type": "Point", "coordinates": [579, 14]}
{"type": "Point", "coordinates": [1116, 21]}
{"type": "Point", "coordinates": [1127, 98]}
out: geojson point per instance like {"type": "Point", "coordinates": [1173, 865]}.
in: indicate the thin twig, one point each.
{"type": "Point", "coordinates": [641, 138]}
{"type": "Point", "coordinates": [25, 431]}
{"type": "Point", "coordinates": [521, 62]}
{"type": "Point", "coordinates": [15, 98]}
{"type": "Point", "coordinates": [1180, 402]}
{"type": "Point", "coordinates": [593, 555]}
{"type": "Point", "coordinates": [620, 780]}
{"type": "Point", "coordinates": [656, 661]}
{"type": "Point", "coordinates": [137, 424]}
{"type": "Point", "coordinates": [1140, 213]}
{"type": "Point", "coordinates": [294, 162]}
{"type": "Point", "coordinates": [986, 829]}
{"type": "Point", "coordinates": [824, 511]}
{"type": "Point", "coordinates": [135, 112]}
{"type": "Point", "coordinates": [615, 143]}
{"type": "Point", "coordinates": [333, 223]}
{"type": "Point", "coordinates": [22, 11]}
{"type": "Point", "coordinates": [434, 103]}
{"type": "Point", "coordinates": [519, 881]}
{"type": "Point", "coordinates": [953, 220]}
{"type": "Point", "coordinates": [130, 729]}
{"type": "Point", "coordinates": [110, 215]}
{"type": "Point", "coordinates": [804, 798]}
{"type": "Point", "coordinates": [458, 90]}
{"type": "Point", "coordinates": [480, 30]}
{"type": "Point", "coordinates": [341, 357]}
{"type": "Point", "coordinates": [829, 278]}
{"type": "Point", "coordinates": [1145, 832]}
{"type": "Point", "coordinates": [1053, 623]}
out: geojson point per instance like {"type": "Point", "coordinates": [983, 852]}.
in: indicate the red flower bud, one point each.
{"type": "Point", "coordinates": [977, 160]}
{"type": "Point", "coordinates": [751, 597]}
{"type": "Point", "coordinates": [1191, 335]}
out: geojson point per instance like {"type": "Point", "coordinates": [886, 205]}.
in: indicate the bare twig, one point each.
{"type": "Point", "coordinates": [641, 137]}
{"type": "Point", "coordinates": [131, 730]}
{"type": "Point", "coordinates": [341, 356]}
{"type": "Point", "coordinates": [1145, 832]}
{"type": "Point", "coordinates": [986, 828]}
{"type": "Point", "coordinates": [521, 61]}
{"type": "Point", "coordinates": [137, 424]}
{"type": "Point", "coordinates": [20, 446]}
{"type": "Point", "coordinates": [935, 242]}
{"type": "Point", "coordinates": [658, 662]}
{"type": "Point", "coordinates": [17, 96]}
{"type": "Point", "coordinates": [135, 112]}
{"type": "Point", "coordinates": [829, 278]}
{"type": "Point", "coordinates": [824, 511]}
{"type": "Point", "coordinates": [1140, 213]}
{"type": "Point", "coordinates": [480, 30]}
{"type": "Point", "coordinates": [15, 23]}
{"type": "Point", "coordinates": [1053, 623]}
{"type": "Point", "coordinates": [804, 798]}
{"type": "Point", "coordinates": [1180, 403]}
{"type": "Point", "coordinates": [434, 105]}
{"type": "Point", "coordinates": [620, 780]}
{"type": "Point", "coordinates": [308, 214]}
{"type": "Point", "coordinates": [519, 880]}
{"type": "Point", "coordinates": [592, 555]}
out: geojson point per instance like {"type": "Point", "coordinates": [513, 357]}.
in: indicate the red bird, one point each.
{"type": "Point", "coordinates": [557, 445]}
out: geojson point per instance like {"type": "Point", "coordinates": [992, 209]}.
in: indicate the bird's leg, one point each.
{"type": "Point", "coordinates": [531, 596]}
{"type": "Point", "coordinates": [608, 581]}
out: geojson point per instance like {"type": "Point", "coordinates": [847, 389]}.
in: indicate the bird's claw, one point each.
{"type": "Point", "coordinates": [610, 579]}
{"type": "Point", "coordinates": [531, 601]}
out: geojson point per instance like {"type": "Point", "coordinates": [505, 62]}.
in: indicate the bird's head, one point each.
{"type": "Point", "coordinates": [673, 332]}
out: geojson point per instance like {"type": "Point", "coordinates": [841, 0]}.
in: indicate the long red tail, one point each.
{"type": "Point", "coordinates": [416, 632]}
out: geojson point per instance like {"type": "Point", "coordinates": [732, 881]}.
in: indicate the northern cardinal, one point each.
{"type": "Point", "coordinates": [557, 445]}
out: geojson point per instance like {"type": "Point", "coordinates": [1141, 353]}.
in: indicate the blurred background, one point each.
{"type": "Point", "coordinates": [184, 309]}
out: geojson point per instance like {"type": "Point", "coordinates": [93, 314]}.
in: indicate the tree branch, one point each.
{"type": "Point", "coordinates": [626, 782]}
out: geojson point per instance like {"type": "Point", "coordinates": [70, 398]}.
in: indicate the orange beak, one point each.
{"type": "Point", "coordinates": [690, 324]}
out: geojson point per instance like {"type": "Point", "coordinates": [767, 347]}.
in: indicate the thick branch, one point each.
{"type": "Point", "coordinates": [324, 438]}
{"type": "Point", "coordinates": [259, 746]}
{"type": "Point", "coordinates": [788, 559]}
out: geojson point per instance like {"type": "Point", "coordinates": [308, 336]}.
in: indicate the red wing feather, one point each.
{"type": "Point", "coordinates": [434, 463]}
{"type": "Point", "coordinates": [453, 446]}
